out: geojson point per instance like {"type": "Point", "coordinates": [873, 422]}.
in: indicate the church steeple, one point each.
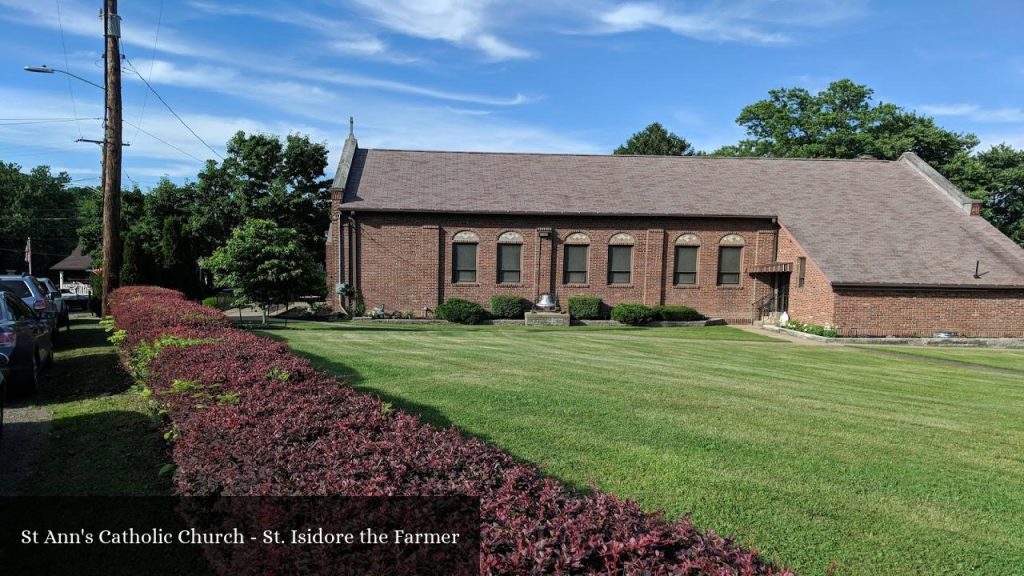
{"type": "Point", "coordinates": [348, 153]}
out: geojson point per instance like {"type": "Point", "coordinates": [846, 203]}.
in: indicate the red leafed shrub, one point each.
{"type": "Point", "coordinates": [250, 418]}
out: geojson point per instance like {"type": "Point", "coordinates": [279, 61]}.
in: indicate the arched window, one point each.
{"type": "Point", "coordinates": [510, 255]}
{"type": "Point", "coordinates": [620, 258]}
{"type": "Point", "coordinates": [577, 252]}
{"type": "Point", "coordinates": [687, 251]}
{"type": "Point", "coordinates": [464, 245]}
{"type": "Point", "coordinates": [730, 259]}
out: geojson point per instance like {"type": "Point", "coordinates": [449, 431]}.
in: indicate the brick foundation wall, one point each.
{"type": "Point", "coordinates": [815, 301]}
{"type": "Point", "coordinates": [405, 260]}
{"type": "Point", "coordinates": [982, 313]}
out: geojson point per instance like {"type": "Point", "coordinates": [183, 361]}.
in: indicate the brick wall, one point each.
{"type": "Point", "coordinates": [405, 260]}
{"type": "Point", "coordinates": [984, 313]}
{"type": "Point", "coordinates": [815, 301]}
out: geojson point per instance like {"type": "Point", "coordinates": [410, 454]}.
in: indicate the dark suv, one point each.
{"type": "Point", "coordinates": [34, 295]}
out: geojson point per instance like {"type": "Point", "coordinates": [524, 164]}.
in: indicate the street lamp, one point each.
{"type": "Point", "coordinates": [44, 69]}
{"type": "Point", "coordinates": [111, 145]}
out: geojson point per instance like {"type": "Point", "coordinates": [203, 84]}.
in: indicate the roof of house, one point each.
{"type": "Point", "coordinates": [863, 222]}
{"type": "Point", "coordinates": [75, 262]}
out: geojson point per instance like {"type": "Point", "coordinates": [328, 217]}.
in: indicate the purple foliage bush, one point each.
{"type": "Point", "coordinates": [248, 417]}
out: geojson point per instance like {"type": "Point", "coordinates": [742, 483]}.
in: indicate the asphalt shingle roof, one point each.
{"type": "Point", "coordinates": [861, 221]}
{"type": "Point", "coordinates": [75, 262]}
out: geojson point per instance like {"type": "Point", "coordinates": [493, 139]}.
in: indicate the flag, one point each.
{"type": "Point", "coordinates": [28, 254]}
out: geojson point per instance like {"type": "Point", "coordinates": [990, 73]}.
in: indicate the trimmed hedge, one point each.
{"type": "Point", "coordinates": [460, 311]}
{"type": "Point", "coordinates": [585, 307]}
{"type": "Point", "coordinates": [507, 306]}
{"type": "Point", "coordinates": [248, 417]}
{"type": "Point", "coordinates": [632, 314]}
{"type": "Point", "coordinates": [677, 314]}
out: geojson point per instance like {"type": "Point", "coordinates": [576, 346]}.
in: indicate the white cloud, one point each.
{"type": "Point", "coordinates": [1016, 140]}
{"type": "Point", "coordinates": [260, 63]}
{"type": "Point", "coordinates": [747, 22]}
{"type": "Point", "coordinates": [975, 112]}
{"type": "Point", "coordinates": [466, 24]}
{"type": "Point", "coordinates": [634, 17]}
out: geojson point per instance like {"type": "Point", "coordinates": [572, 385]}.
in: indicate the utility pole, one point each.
{"type": "Point", "coordinates": [111, 152]}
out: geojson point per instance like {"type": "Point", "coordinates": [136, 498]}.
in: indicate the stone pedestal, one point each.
{"type": "Point", "coordinates": [547, 319]}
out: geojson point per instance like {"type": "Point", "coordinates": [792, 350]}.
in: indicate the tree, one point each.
{"type": "Point", "coordinates": [842, 122]}
{"type": "Point", "coordinates": [1005, 204]}
{"type": "Point", "coordinates": [655, 140]}
{"type": "Point", "coordinates": [263, 178]}
{"type": "Point", "coordinates": [997, 177]}
{"type": "Point", "coordinates": [37, 204]}
{"type": "Point", "coordinates": [266, 265]}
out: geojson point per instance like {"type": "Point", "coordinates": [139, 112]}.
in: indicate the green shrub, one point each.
{"type": "Point", "coordinates": [816, 329]}
{"type": "Point", "coordinates": [507, 306]}
{"type": "Point", "coordinates": [210, 301]}
{"type": "Point", "coordinates": [585, 307]}
{"type": "Point", "coordinates": [677, 314]}
{"type": "Point", "coordinates": [358, 308]}
{"type": "Point", "coordinates": [460, 311]}
{"type": "Point", "coordinates": [632, 314]}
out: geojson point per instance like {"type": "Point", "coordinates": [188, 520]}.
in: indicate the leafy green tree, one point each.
{"type": "Point", "coordinates": [655, 140]}
{"type": "Point", "coordinates": [842, 122]}
{"type": "Point", "coordinates": [39, 204]}
{"type": "Point", "coordinates": [266, 265]}
{"type": "Point", "coordinates": [997, 177]}
{"type": "Point", "coordinates": [265, 178]}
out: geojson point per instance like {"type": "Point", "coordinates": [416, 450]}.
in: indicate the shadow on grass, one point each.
{"type": "Point", "coordinates": [85, 332]}
{"type": "Point", "coordinates": [103, 451]}
{"type": "Point", "coordinates": [86, 366]}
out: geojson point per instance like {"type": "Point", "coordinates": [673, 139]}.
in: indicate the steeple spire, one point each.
{"type": "Point", "coordinates": [351, 127]}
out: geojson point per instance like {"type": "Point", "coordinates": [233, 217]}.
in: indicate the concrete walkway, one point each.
{"type": "Point", "coordinates": [778, 335]}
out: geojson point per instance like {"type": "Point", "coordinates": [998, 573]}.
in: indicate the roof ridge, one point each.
{"type": "Point", "coordinates": [585, 155]}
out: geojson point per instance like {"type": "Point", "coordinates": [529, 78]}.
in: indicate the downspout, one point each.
{"type": "Point", "coordinates": [341, 258]}
{"type": "Point", "coordinates": [357, 256]}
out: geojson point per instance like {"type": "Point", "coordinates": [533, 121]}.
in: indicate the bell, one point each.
{"type": "Point", "coordinates": [546, 302]}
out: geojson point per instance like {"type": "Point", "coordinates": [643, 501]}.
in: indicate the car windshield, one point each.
{"type": "Point", "coordinates": [17, 287]}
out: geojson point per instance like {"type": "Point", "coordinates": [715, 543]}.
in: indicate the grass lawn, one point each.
{"type": "Point", "coordinates": [1001, 359]}
{"type": "Point", "coordinates": [105, 440]}
{"type": "Point", "coordinates": [886, 465]}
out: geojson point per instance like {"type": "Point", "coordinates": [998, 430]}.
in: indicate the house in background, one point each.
{"type": "Point", "coordinates": [74, 272]}
{"type": "Point", "coordinates": [870, 247]}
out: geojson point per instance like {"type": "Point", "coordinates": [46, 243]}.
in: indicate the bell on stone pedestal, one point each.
{"type": "Point", "coordinates": [546, 302]}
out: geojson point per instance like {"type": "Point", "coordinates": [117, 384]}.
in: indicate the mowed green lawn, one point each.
{"type": "Point", "coordinates": [812, 454]}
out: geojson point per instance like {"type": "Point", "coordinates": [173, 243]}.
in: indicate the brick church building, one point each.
{"type": "Point", "coordinates": [874, 248]}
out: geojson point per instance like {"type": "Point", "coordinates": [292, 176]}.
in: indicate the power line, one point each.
{"type": "Point", "coordinates": [158, 139]}
{"type": "Point", "coordinates": [64, 47]}
{"type": "Point", "coordinates": [152, 59]}
{"type": "Point", "coordinates": [45, 119]}
{"type": "Point", "coordinates": [169, 109]}
{"type": "Point", "coordinates": [23, 122]}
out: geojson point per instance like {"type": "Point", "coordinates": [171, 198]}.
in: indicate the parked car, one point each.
{"type": "Point", "coordinates": [25, 339]}
{"type": "Point", "coordinates": [74, 301]}
{"type": "Point", "coordinates": [63, 316]}
{"type": "Point", "coordinates": [34, 295]}
{"type": "Point", "coordinates": [3, 391]}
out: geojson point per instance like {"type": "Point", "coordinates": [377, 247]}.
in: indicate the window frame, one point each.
{"type": "Point", "coordinates": [739, 266]}
{"type": "Point", "coordinates": [629, 272]}
{"type": "Point", "coordinates": [500, 263]}
{"type": "Point", "coordinates": [801, 265]}
{"type": "Point", "coordinates": [566, 272]}
{"type": "Point", "coordinates": [696, 265]}
{"type": "Point", "coordinates": [455, 262]}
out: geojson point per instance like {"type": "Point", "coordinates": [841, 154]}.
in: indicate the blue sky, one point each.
{"type": "Point", "coordinates": [546, 76]}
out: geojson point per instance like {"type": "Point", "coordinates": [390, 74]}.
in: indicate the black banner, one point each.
{"type": "Point", "coordinates": [239, 535]}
